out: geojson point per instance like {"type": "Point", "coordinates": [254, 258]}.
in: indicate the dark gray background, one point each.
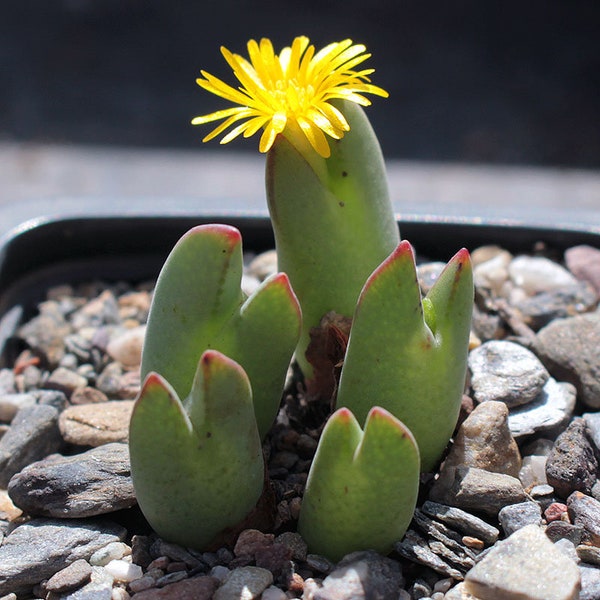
{"type": "Point", "coordinates": [514, 82]}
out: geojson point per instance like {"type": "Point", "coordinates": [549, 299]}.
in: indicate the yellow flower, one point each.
{"type": "Point", "coordinates": [291, 90]}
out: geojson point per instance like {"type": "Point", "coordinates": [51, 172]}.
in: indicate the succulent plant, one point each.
{"type": "Point", "coordinates": [196, 463]}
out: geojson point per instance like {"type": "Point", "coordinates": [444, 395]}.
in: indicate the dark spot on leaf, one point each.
{"type": "Point", "coordinates": [341, 203]}
{"type": "Point", "coordinates": [345, 489]}
{"type": "Point", "coordinates": [208, 434]}
{"type": "Point", "coordinates": [344, 173]}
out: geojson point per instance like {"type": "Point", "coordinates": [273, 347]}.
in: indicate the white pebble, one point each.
{"type": "Point", "coordinates": [119, 594]}
{"type": "Point", "coordinates": [249, 284]}
{"type": "Point", "coordinates": [537, 274]}
{"type": "Point", "coordinates": [112, 551]}
{"type": "Point", "coordinates": [124, 571]}
{"type": "Point", "coordinates": [493, 273]}
{"type": "Point", "coordinates": [127, 347]}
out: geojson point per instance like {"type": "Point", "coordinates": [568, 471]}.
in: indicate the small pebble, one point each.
{"type": "Point", "coordinates": [123, 571]}
{"type": "Point", "coordinates": [516, 516]}
{"type": "Point", "coordinates": [555, 512]}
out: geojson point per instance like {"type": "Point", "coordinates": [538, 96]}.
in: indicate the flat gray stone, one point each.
{"type": "Point", "coordinates": [462, 521]}
{"type": "Point", "coordinates": [33, 435]}
{"type": "Point", "coordinates": [590, 582]}
{"type": "Point", "coordinates": [524, 566]}
{"type": "Point", "coordinates": [506, 372]}
{"type": "Point", "coordinates": [83, 485]}
{"type": "Point", "coordinates": [548, 414]}
{"type": "Point", "coordinates": [516, 516]}
{"type": "Point", "coordinates": [40, 548]}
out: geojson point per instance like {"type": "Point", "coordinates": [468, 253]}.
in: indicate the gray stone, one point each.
{"type": "Point", "coordinates": [567, 301]}
{"type": "Point", "coordinates": [569, 349]}
{"type": "Point", "coordinates": [416, 548]}
{"type": "Point", "coordinates": [91, 483]}
{"type": "Point", "coordinates": [362, 575]}
{"type": "Point", "coordinates": [461, 521]}
{"type": "Point", "coordinates": [33, 435]}
{"type": "Point", "coordinates": [525, 565]}
{"type": "Point", "coordinates": [39, 548]}
{"type": "Point", "coordinates": [249, 581]}
{"type": "Point", "coordinates": [72, 577]}
{"type": "Point", "coordinates": [506, 372]}
{"type": "Point", "coordinates": [567, 547]}
{"type": "Point", "coordinates": [547, 414]}
{"type": "Point", "coordinates": [444, 541]}
{"type": "Point", "coordinates": [54, 398]}
{"type": "Point", "coordinates": [96, 424]}
{"type": "Point", "coordinates": [590, 582]}
{"type": "Point", "coordinates": [481, 491]}
{"type": "Point", "coordinates": [561, 530]}
{"type": "Point", "coordinates": [516, 516]}
{"type": "Point", "coordinates": [572, 464]}
{"type": "Point", "coordinates": [585, 512]}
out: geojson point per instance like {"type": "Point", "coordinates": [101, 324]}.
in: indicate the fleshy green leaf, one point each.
{"type": "Point", "coordinates": [362, 487]}
{"type": "Point", "coordinates": [198, 304]}
{"type": "Point", "coordinates": [396, 361]}
{"type": "Point", "coordinates": [197, 467]}
{"type": "Point", "coordinates": [332, 219]}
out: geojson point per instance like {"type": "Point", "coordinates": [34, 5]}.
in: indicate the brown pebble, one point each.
{"type": "Point", "coordinates": [473, 542]}
{"type": "Point", "coordinates": [88, 395]}
{"type": "Point", "coordinates": [195, 588]}
{"type": "Point", "coordinates": [251, 540]}
{"type": "Point", "coordinates": [72, 577]}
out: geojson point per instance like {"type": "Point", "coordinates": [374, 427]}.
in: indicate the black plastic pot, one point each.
{"type": "Point", "coordinates": [76, 242]}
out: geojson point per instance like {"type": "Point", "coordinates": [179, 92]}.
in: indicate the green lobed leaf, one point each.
{"type": "Point", "coordinates": [362, 488]}
{"type": "Point", "coordinates": [198, 304]}
{"type": "Point", "coordinates": [396, 361]}
{"type": "Point", "coordinates": [197, 466]}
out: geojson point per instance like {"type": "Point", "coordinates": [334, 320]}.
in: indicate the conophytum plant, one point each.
{"type": "Point", "coordinates": [214, 362]}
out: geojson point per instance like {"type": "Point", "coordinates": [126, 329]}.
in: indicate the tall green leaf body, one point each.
{"type": "Point", "coordinates": [332, 218]}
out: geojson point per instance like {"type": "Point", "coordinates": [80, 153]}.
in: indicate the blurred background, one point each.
{"type": "Point", "coordinates": [479, 84]}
